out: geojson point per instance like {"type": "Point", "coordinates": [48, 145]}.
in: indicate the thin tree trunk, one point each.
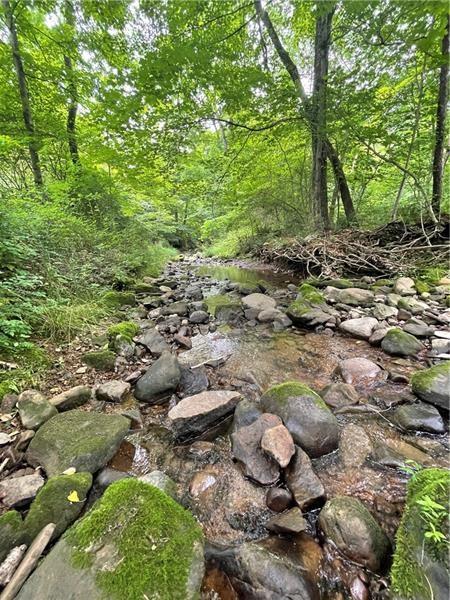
{"type": "Point", "coordinates": [23, 92]}
{"type": "Point", "coordinates": [294, 74]}
{"type": "Point", "coordinates": [441, 114]}
{"type": "Point", "coordinates": [319, 119]}
{"type": "Point", "coordinates": [71, 88]}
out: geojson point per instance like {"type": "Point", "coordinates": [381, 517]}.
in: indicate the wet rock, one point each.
{"type": "Point", "coordinates": [356, 297]}
{"type": "Point", "coordinates": [404, 286]}
{"type": "Point", "coordinates": [272, 570]}
{"type": "Point", "coordinates": [84, 440]}
{"type": "Point", "coordinates": [131, 525]}
{"type": "Point", "coordinates": [159, 380]}
{"type": "Point", "coordinates": [163, 482]}
{"type": "Point", "coordinates": [179, 308]}
{"type": "Point", "coordinates": [361, 328]}
{"type": "Point", "coordinates": [419, 417]}
{"type": "Point", "coordinates": [279, 499]}
{"type": "Point", "coordinates": [199, 316]}
{"type": "Point", "coordinates": [73, 398]}
{"type": "Point", "coordinates": [34, 409]}
{"type": "Point", "coordinates": [112, 391]}
{"type": "Point", "coordinates": [432, 385]}
{"type": "Point", "coordinates": [258, 301]}
{"type": "Point", "coordinates": [52, 504]}
{"type": "Point", "coordinates": [308, 419]}
{"type": "Point", "coordinates": [400, 343]}
{"type": "Point", "coordinates": [337, 395]}
{"type": "Point", "coordinates": [246, 447]}
{"type": "Point", "coordinates": [420, 567]}
{"type": "Point", "coordinates": [291, 521]}
{"type": "Point", "coordinates": [193, 381]}
{"type": "Point", "coordinates": [246, 413]}
{"type": "Point", "coordinates": [359, 370]}
{"type": "Point", "coordinates": [303, 482]}
{"type": "Point", "coordinates": [154, 342]}
{"type": "Point", "coordinates": [17, 491]}
{"type": "Point", "coordinates": [418, 328]}
{"type": "Point", "coordinates": [202, 482]}
{"type": "Point", "coordinates": [196, 414]}
{"type": "Point", "coordinates": [277, 442]}
{"type": "Point", "coordinates": [354, 446]}
{"type": "Point", "coordinates": [350, 526]}
{"type": "Point", "coordinates": [107, 476]}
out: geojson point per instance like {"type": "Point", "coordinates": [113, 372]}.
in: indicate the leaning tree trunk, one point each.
{"type": "Point", "coordinates": [294, 74]}
{"type": "Point", "coordinates": [71, 88]}
{"type": "Point", "coordinates": [23, 92]}
{"type": "Point", "coordinates": [319, 119]}
{"type": "Point", "coordinates": [441, 114]}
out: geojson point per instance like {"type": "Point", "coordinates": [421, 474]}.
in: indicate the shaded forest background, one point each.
{"type": "Point", "coordinates": [129, 128]}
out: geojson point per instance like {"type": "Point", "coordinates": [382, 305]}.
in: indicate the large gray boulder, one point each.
{"type": "Point", "coordinates": [399, 343]}
{"type": "Point", "coordinates": [361, 328]}
{"type": "Point", "coordinates": [433, 385]}
{"type": "Point", "coordinates": [79, 439]}
{"type": "Point", "coordinates": [350, 526]}
{"type": "Point", "coordinates": [160, 380]}
{"type": "Point", "coordinates": [419, 417]}
{"type": "Point", "coordinates": [102, 556]}
{"type": "Point", "coordinates": [196, 414]}
{"type": "Point", "coordinates": [309, 420]}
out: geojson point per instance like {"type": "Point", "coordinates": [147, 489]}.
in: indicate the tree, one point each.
{"type": "Point", "coordinates": [23, 92]}
{"type": "Point", "coordinates": [441, 114]}
{"type": "Point", "coordinates": [72, 109]}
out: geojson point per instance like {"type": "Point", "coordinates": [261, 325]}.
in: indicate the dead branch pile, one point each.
{"type": "Point", "coordinates": [384, 252]}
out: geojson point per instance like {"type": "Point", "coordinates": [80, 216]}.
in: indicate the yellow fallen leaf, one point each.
{"type": "Point", "coordinates": [73, 496]}
{"type": "Point", "coordinates": [69, 471]}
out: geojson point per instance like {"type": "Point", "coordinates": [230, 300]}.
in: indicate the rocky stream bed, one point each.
{"type": "Point", "coordinates": [238, 434]}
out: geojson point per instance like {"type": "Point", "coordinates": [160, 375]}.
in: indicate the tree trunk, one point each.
{"type": "Point", "coordinates": [71, 88]}
{"type": "Point", "coordinates": [441, 114]}
{"type": "Point", "coordinates": [319, 119]}
{"type": "Point", "coordinates": [294, 74]}
{"type": "Point", "coordinates": [23, 92]}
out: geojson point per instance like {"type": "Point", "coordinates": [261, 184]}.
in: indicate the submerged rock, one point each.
{"type": "Point", "coordinates": [350, 526]}
{"type": "Point", "coordinates": [160, 379]}
{"type": "Point", "coordinates": [196, 414]}
{"type": "Point", "coordinates": [433, 385]}
{"type": "Point", "coordinates": [419, 417]}
{"type": "Point", "coordinates": [84, 440]}
{"type": "Point", "coordinates": [132, 525]}
{"type": "Point", "coordinates": [337, 395]}
{"type": "Point", "coordinates": [291, 521]}
{"type": "Point", "coordinates": [359, 370]}
{"type": "Point", "coordinates": [421, 563]}
{"type": "Point", "coordinates": [308, 419]}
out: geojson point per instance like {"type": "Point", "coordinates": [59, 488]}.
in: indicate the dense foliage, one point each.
{"type": "Point", "coordinates": [127, 127]}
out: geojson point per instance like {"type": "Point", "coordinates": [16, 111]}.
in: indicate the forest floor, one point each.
{"type": "Point", "coordinates": [207, 326]}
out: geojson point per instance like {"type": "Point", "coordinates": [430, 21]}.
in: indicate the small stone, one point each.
{"type": "Point", "coordinates": [81, 370]}
{"type": "Point", "coordinates": [303, 482]}
{"type": "Point", "coordinates": [5, 439]}
{"type": "Point", "coordinates": [201, 482]}
{"type": "Point", "coordinates": [183, 341]}
{"type": "Point", "coordinates": [384, 311]}
{"type": "Point", "coordinates": [17, 491]}
{"type": "Point", "coordinates": [73, 398]}
{"type": "Point", "coordinates": [279, 499]}
{"type": "Point", "coordinates": [162, 481]}
{"type": "Point", "coordinates": [278, 443]}
{"type": "Point", "coordinates": [361, 328]}
{"type": "Point", "coordinates": [354, 446]}
{"type": "Point", "coordinates": [24, 439]}
{"type": "Point", "coordinates": [337, 395]}
{"type": "Point", "coordinates": [34, 409]}
{"type": "Point", "coordinates": [404, 286]}
{"type": "Point", "coordinates": [291, 521]}
{"type": "Point", "coordinates": [112, 391]}
{"type": "Point", "coordinates": [154, 342]}
{"type": "Point", "coordinates": [199, 316]}
{"type": "Point", "coordinates": [358, 370]}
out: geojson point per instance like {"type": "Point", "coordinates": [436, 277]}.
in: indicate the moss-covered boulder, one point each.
{"type": "Point", "coordinates": [126, 329]}
{"type": "Point", "coordinates": [101, 360]}
{"type": "Point", "coordinates": [84, 440]}
{"type": "Point", "coordinates": [11, 532]}
{"type": "Point", "coordinates": [308, 419]}
{"type": "Point", "coordinates": [115, 299]}
{"type": "Point", "coordinates": [421, 560]}
{"type": "Point", "coordinates": [309, 308]}
{"type": "Point", "coordinates": [399, 343]}
{"type": "Point", "coordinates": [350, 526]}
{"type": "Point", "coordinates": [135, 543]}
{"type": "Point", "coordinates": [433, 384]}
{"type": "Point", "coordinates": [56, 503]}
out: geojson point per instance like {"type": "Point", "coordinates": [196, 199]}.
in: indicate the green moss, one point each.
{"type": "Point", "coordinates": [432, 275]}
{"type": "Point", "coordinates": [213, 303]}
{"type": "Point", "coordinates": [152, 535]}
{"type": "Point", "coordinates": [117, 299]}
{"type": "Point", "coordinates": [421, 286]}
{"type": "Point", "coordinates": [289, 389]}
{"type": "Point", "coordinates": [10, 532]}
{"type": "Point", "coordinates": [127, 329]}
{"type": "Point", "coordinates": [298, 308]}
{"type": "Point", "coordinates": [145, 288]}
{"type": "Point", "coordinates": [422, 381]}
{"type": "Point", "coordinates": [52, 505]}
{"type": "Point", "coordinates": [33, 362]}
{"type": "Point", "coordinates": [102, 360]}
{"type": "Point", "coordinates": [408, 574]}
{"type": "Point", "coordinates": [310, 294]}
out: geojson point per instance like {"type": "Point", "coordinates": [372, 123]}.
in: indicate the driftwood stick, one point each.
{"type": "Point", "coordinates": [10, 564]}
{"type": "Point", "coordinates": [29, 562]}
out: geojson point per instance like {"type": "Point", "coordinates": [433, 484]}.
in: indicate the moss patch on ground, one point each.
{"type": "Point", "coordinates": [310, 294]}
{"type": "Point", "coordinates": [117, 299]}
{"type": "Point", "coordinates": [102, 360]}
{"type": "Point", "coordinates": [127, 329]}
{"type": "Point", "coordinates": [410, 579]}
{"type": "Point", "coordinates": [153, 539]}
